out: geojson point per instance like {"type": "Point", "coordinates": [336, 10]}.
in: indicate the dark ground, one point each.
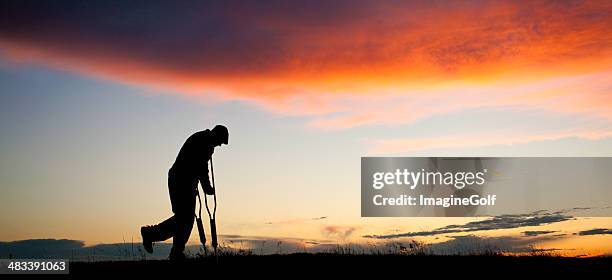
{"type": "Point", "coordinates": [386, 266]}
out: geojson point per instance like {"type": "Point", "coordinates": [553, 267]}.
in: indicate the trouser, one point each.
{"type": "Point", "coordinates": [179, 226]}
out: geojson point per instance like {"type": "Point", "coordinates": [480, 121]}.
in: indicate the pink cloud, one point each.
{"type": "Point", "coordinates": [476, 139]}
{"type": "Point", "coordinates": [583, 94]}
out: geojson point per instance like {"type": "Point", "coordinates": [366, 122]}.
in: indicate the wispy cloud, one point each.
{"type": "Point", "coordinates": [495, 223]}
{"type": "Point", "coordinates": [338, 232]}
{"type": "Point", "coordinates": [596, 231]}
{"type": "Point", "coordinates": [295, 221]}
{"type": "Point", "coordinates": [538, 232]}
{"type": "Point", "coordinates": [479, 139]}
{"type": "Point", "coordinates": [278, 245]}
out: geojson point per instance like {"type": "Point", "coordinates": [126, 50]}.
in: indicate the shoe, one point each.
{"type": "Point", "coordinates": [176, 255]}
{"type": "Point", "coordinates": [147, 243]}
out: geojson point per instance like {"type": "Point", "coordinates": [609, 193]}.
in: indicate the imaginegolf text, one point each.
{"type": "Point", "coordinates": [421, 200]}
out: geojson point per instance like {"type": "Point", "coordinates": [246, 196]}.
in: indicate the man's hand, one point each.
{"type": "Point", "coordinates": [208, 190]}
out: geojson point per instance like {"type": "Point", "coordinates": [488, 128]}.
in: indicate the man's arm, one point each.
{"type": "Point", "coordinates": [205, 181]}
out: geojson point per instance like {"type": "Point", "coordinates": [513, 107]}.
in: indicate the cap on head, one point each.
{"type": "Point", "coordinates": [222, 133]}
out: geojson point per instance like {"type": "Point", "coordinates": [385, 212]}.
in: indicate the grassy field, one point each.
{"type": "Point", "coordinates": [391, 264]}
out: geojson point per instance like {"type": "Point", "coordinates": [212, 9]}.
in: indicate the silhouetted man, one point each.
{"type": "Point", "coordinates": [190, 167]}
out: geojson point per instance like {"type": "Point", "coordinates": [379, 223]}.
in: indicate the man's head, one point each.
{"type": "Point", "coordinates": [220, 134]}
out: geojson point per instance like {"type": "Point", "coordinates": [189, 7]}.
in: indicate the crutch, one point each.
{"type": "Point", "coordinates": [213, 225]}
{"type": "Point", "coordinates": [201, 231]}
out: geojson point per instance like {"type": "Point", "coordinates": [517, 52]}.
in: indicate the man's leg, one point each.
{"type": "Point", "coordinates": [168, 228]}
{"type": "Point", "coordinates": [159, 232]}
{"type": "Point", "coordinates": [183, 206]}
{"type": "Point", "coordinates": [183, 227]}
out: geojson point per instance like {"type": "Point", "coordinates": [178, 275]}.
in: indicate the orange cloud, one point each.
{"type": "Point", "coordinates": [326, 59]}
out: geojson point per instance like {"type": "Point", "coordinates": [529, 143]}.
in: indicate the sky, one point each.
{"type": "Point", "coordinates": [97, 98]}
